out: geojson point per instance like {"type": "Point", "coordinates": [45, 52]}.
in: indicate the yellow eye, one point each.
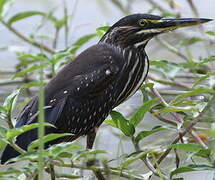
{"type": "Point", "coordinates": [142, 22]}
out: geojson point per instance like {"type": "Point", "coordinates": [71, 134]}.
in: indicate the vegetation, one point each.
{"type": "Point", "coordinates": [183, 100]}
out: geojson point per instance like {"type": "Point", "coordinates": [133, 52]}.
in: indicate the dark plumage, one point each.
{"type": "Point", "coordinates": [83, 93]}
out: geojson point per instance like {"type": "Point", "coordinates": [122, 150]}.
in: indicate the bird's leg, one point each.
{"type": "Point", "coordinates": [91, 138]}
{"type": "Point", "coordinates": [90, 141]}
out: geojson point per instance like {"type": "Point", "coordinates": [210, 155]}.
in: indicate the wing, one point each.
{"type": "Point", "coordinates": [90, 73]}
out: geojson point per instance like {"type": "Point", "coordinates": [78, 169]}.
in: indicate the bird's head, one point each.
{"type": "Point", "coordinates": [137, 29]}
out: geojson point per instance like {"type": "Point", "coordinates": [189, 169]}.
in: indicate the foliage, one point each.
{"type": "Point", "coordinates": [184, 105]}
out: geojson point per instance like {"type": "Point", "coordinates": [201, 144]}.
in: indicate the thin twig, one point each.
{"type": "Point", "coordinates": [198, 139]}
{"type": "Point", "coordinates": [176, 115]}
{"type": "Point", "coordinates": [193, 8]}
{"type": "Point", "coordinates": [66, 28]}
{"type": "Point", "coordinates": [112, 171]}
{"type": "Point", "coordinates": [172, 83]}
{"type": "Point", "coordinates": [17, 148]}
{"type": "Point", "coordinates": [56, 36]}
{"type": "Point", "coordinates": [26, 39]}
{"type": "Point", "coordinates": [147, 161]}
{"type": "Point", "coordinates": [52, 172]}
{"type": "Point", "coordinates": [171, 48]}
{"type": "Point", "coordinates": [193, 123]}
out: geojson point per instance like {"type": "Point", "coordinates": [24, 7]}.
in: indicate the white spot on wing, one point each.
{"type": "Point", "coordinates": [65, 92]}
{"type": "Point", "coordinates": [107, 72]}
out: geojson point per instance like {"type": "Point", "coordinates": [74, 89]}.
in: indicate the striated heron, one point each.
{"type": "Point", "coordinates": [85, 91]}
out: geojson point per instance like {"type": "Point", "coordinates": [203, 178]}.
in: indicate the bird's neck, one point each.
{"type": "Point", "coordinates": [131, 42]}
{"type": "Point", "coordinates": [138, 49]}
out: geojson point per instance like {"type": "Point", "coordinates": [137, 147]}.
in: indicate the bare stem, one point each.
{"type": "Point", "coordinates": [198, 139]}
{"type": "Point", "coordinates": [57, 30]}
{"type": "Point", "coordinates": [147, 161]}
{"type": "Point", "coordinates": [194, 122]}
{"type": "Point", "coordinates": [171, 83]}
{"type": "Point", "coordinates": [26, 39]}
{"type": "Point", "coordinates": [176, 115]}
{"type": "Point", "coordinates": [172, 49]}
{"type": "Point", "coordinates": [112, 171]}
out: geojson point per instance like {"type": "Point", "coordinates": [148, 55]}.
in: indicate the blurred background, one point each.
{"type": "Point", "coordinates": [85, 17]}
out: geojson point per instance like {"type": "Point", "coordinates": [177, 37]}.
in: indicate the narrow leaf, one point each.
{"type": "Point", "coordinates": [10, 101]}
{"type": "Point", "coordinates": [12, 133]}
{"type": "Point", "coordinates": [46, 139]}
{"type": "Point", "coordinates": [58, 149]}
{"type": "Point", "coordinates": [5, 6]}
{"type": "Point", "coordinates": [123, 124]}
{"type": "Point", "coordinates": [211, 33]}
{"type": "Point", "coordinates": [80, 42]}
{"type": "Point", "coordinates": [187, 147]}
{"type": "Point", "coordinates": [144, 134]}
{"type": "Point", "coordinates": [29, 70]}
{"type": "Point", "coordinates": [198, 81]}
{"type": "Point", "coordinates": [85, 153]}
{"type": "Point", "coordinates": [181, 170]}
{"type": "Point", "coordinates": [23, 15]}
{"type": "Point", "coordinates": [192, 93]}
{"type": "Point", "coordinates": [175, 109]}
{"type": "Point", "coordinates": [139, 114]}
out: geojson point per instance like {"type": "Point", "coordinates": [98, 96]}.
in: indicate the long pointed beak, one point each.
{"type": "Point", "coordinates": [171, 24]}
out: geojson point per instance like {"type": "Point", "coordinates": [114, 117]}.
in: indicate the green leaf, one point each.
{"type": "Point", "coordinates": [211, 33]}
{"type": "Point", "coordinates": [206, 60]}
{"type": "Point", "coordinates": [181, 170]}
{"type": "Point", "coordinates": [189, 168]}
{"type": "Point", "coordinates": [85, 153]}
{"type": "Point", "coordinates": [2, 109]}
{"type": "Point", "coordinates": [175, 109]}
{"type": "Point", "coordinates": [139, 114]}
{"type": "Point", "coordinates": [5, 6]}
{"type": "Point", "coordinates": [60, 149]}
{"type": "Point", "coordinates": [29, 70]}
{"type": "Point", "coordinates": [80, 42]}
{"type": "Point", "coordinates": [201, 166]}
{"type": "Point", "coordinates": [186, 103]}
{"type": "Point", "coordinates": [3, 131]}
{"type": "Point", "coordinates": [10, 101]}
{"type": "Point", "coordinates": [166, 68]}
{"type": "Point", "coordinates": [132, 159]}
{"type": "Point", "coordinates": [46, 139]}
{"type": "Point", "coordinates": [12, 133]}
{"type": "Point", "coordinates": [190, 41]}
{"type": "Point", "coordinates": [102, 30]}
{"type": "Point", "coordinates": [31, 156]}
{"type": "Point", "coordinates": [32, 84]}
{"type": "Point", "coordinates": [187, 147]}
{"type": "Point", "coordinates": [198, 81]}
{"type": "Point", "coordinates": [147, 85]}
{"type": "Point", "coordinates": [23, 15]}
{"type": "Point", "coordinates": [123, 124]}
{"type": "Point", "coordinates": [204, 153]}
{"type": "Point", "coordinates": [111, 123]}
{"type": "Point", "coordinates": [144, 134]}
{"type": "Point", "coordinates": [192, 93]}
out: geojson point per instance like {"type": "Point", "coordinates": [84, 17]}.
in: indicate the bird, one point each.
{"type": "Point", "coordinates": [85, 91]}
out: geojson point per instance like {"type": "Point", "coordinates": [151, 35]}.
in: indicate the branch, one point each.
{"type": "Point", "coordinates": [176, 115]}
{"type": "Point", "coordinates": [194, 122]}
{"type": "Point", "coordinates": [171, 48]}
{"type": "Point", "coordinates": [26, 39]}
{"type": "Point", "coordinates": [112, 171]}
{"type": "Point", "coordinates": [171, 83]}
{"type": "Point", "coordinates": [147, 161]}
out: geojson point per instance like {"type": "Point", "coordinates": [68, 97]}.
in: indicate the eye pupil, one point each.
{"type": "Point", "coordinates": [142, 22]}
